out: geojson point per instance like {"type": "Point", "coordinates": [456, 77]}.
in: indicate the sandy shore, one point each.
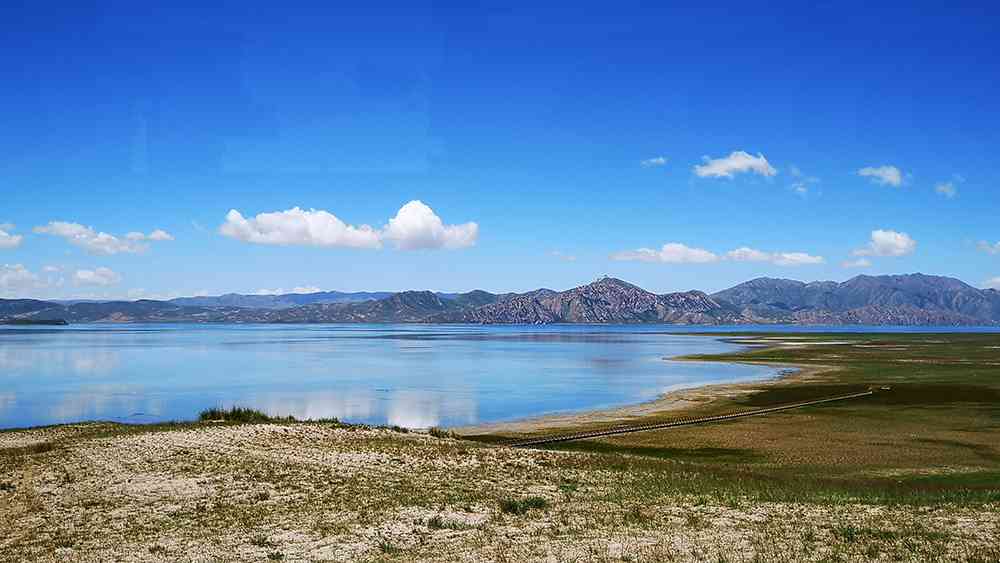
{"type": "Point", "coordinates": [671, 402]}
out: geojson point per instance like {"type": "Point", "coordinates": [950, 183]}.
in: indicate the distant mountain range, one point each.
{"type": "Point", "coordinates": [914, 299]}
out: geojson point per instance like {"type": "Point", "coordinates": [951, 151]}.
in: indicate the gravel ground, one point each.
{"type": "Point", "coordinates": [100, 492]}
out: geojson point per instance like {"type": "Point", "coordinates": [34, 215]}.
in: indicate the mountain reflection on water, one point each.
{"type": "Point", "coordinates": [408, 375]}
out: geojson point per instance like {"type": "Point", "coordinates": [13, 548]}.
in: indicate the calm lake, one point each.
{"type": "Point", "coordinates": [410, 375]}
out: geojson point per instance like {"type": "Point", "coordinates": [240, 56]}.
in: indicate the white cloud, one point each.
{"type": "Point", "coordinates": [140, 293]}
{"type": "Point", "coordinates": [562, 256]}
{"type": "Point", "coordinates": [885, 175]}
{"type": "Point", "coordinates": [992, 283]}
{"type": "Point", "coordinates": [8, 240]}
{"type": "Point", "coordinates": [859, 263]}
{"type": "Point", "coordinates": [746, 254]}
{"type": "Point", "coordinates": [888, 243]}
{"type": "Point", "coordinates": [16, 278]}
{"type": "Point", "coordinates": [157, 235]}
{"type": "Point", "coordinates": [416, 226]}
{"type": "Point", "coordinates": [671, 253]}
{"type": "Point", "coordinates": [99, 276]}
{"type": "Point", "coordinates": [654, 162]}
{"type": "Point", "coordinates": [299, 227]}
{"type": "Point", "coordinates": [989, 248]}
{"type": "Point", "coordinates": [947, 189]}
{"type": "Point", "coordinates": [160, 235]}
{"type": "Point", "coordinates": [737, 162]}
{"type": "Point", "coordinates": [96, 242]}
{"type": "Point", "coordinates": [282, 291]}
{"type": "Point", "coordinates": [801, 183]}
{"type": "Point", "coordinates": [677, 253]}
{"type": "Point", "coordinates": [51, 269]}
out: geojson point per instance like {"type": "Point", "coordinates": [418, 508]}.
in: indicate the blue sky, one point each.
{"type": "Point", "coordinates": [574, 138]}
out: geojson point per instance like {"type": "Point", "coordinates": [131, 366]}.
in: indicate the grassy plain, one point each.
{"type": "Point", "coordinates": [909, 474]}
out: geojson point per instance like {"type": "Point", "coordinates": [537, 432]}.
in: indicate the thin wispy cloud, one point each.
{"type": "Point", "coordinates": [8, 240]}
{"type": "Point", "coordinates": [988, 248]}
{"type": "Point", "coordinates": [95, 242]}
{"type": "Point", "coordinates": [678, 253]}
{"type": "Point", "coordinates": [887, 243]}
{"type": "Point", "coordinates": [282, 291]}
{"type": "Point", "coordinates": [738, 162]}
{"type": "Point", "coordinates": [992, 283]}
{"type": "Point", "coordinates": [670, 253]}
{"type": "Point", "coordinates": [562, 256]}
{"type": "Point", "coordinates": [859, 263]}
{"type": "Point", "coordinates": [885, 175]}
{"type": "Point", "coordinates": [949, 189]}
{"type": "Point", "coordinates": [99, 276]}
{"type": "Point", "coordinates": [654, 162]}
{"type": "Point", "coordinates": [157, 235]}
{"type": "Point", "coordinates": [15, 279]}
{"type": "Point", "coordinates": [802, 183]}
{"type": "Point", "coordinates": [415, 226]}
{"type": "Point", "coordinates": [746, 254]}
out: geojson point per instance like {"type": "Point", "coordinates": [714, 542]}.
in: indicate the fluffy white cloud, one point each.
{"type": "Point", "coordinates": [737, 162]}
{"type": "Point", "coordinates": [888, 243]}
{"type": "Point", "coordinates": [746, 254]}
{"type": "Point", "coordinates": [299, 227]}
{"type": "Point", "coordinates": [992, 283]}
{"type": "Point", "coordinates": [416, 226]}
{"type": "Point", "coordinates": [8, 240]}
{"type": "Point", "coordinates": [96, 242]}
{"type": "Point", "coordinates": [947, 189]}
{"type": "Point", "coordinates": [671, 253]}
{"type": "Point", "coordinates": [99, 276]}
{"type": "Point", "coordinates": [654, 162]}
{"type": "Point", "coordinates": [885, 175]}
{"type": "Point", "coordinates": [15, 278]}
{"type": "Point", "coordinates": [282, 291]}
{"type": "Point", "coordinates": [859, 263]}
{"type": "Point", "coordinates": [989, 248]}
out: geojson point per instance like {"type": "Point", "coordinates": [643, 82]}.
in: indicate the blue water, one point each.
{"type": "Point", "coordinates": [410, 375]}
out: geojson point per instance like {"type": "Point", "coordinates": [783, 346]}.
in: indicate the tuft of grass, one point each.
{"type": "Point", "coordinates": [240, 414]}
{"type": "Point", "coordinates": [441, 432]}
{"type": "Point", "coordinates": [522, 505]}
{"type": "Point", "coordinates": [436, 522]}
{"type": "Point", "coordinates": [262, 541]}
{"type": "Point", "coordinates": [275, 556]}
{"type": "Point", "coordinates": [387, 547]}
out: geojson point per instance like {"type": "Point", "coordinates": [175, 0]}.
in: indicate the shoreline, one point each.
{"type": "Point", "coordinates": [674, 402]}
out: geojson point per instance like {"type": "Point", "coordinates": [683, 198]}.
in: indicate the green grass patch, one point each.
{"type": "Point", "coordinates": [239, 414]}
{"type": "Point", "coordinates": [521, 506]}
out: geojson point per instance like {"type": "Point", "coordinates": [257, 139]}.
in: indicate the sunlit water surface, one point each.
{"type": "Point", "coordinates": [409, 375]}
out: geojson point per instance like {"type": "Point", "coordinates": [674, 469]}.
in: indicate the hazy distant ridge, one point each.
{"type": "Point", "coordinates": [914, 299]}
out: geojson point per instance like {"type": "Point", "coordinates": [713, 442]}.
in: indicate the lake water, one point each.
{"type": "Point", "coordinates": [410, 375]}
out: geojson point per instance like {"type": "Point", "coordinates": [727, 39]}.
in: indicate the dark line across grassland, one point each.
{"type": "Point", "coordinates": [935, 437]}
{"type": "Point", "coordinates": [685, 421]}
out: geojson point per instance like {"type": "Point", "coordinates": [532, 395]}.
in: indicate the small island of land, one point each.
{"type": "Point", "coordinates": [911, 473]}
